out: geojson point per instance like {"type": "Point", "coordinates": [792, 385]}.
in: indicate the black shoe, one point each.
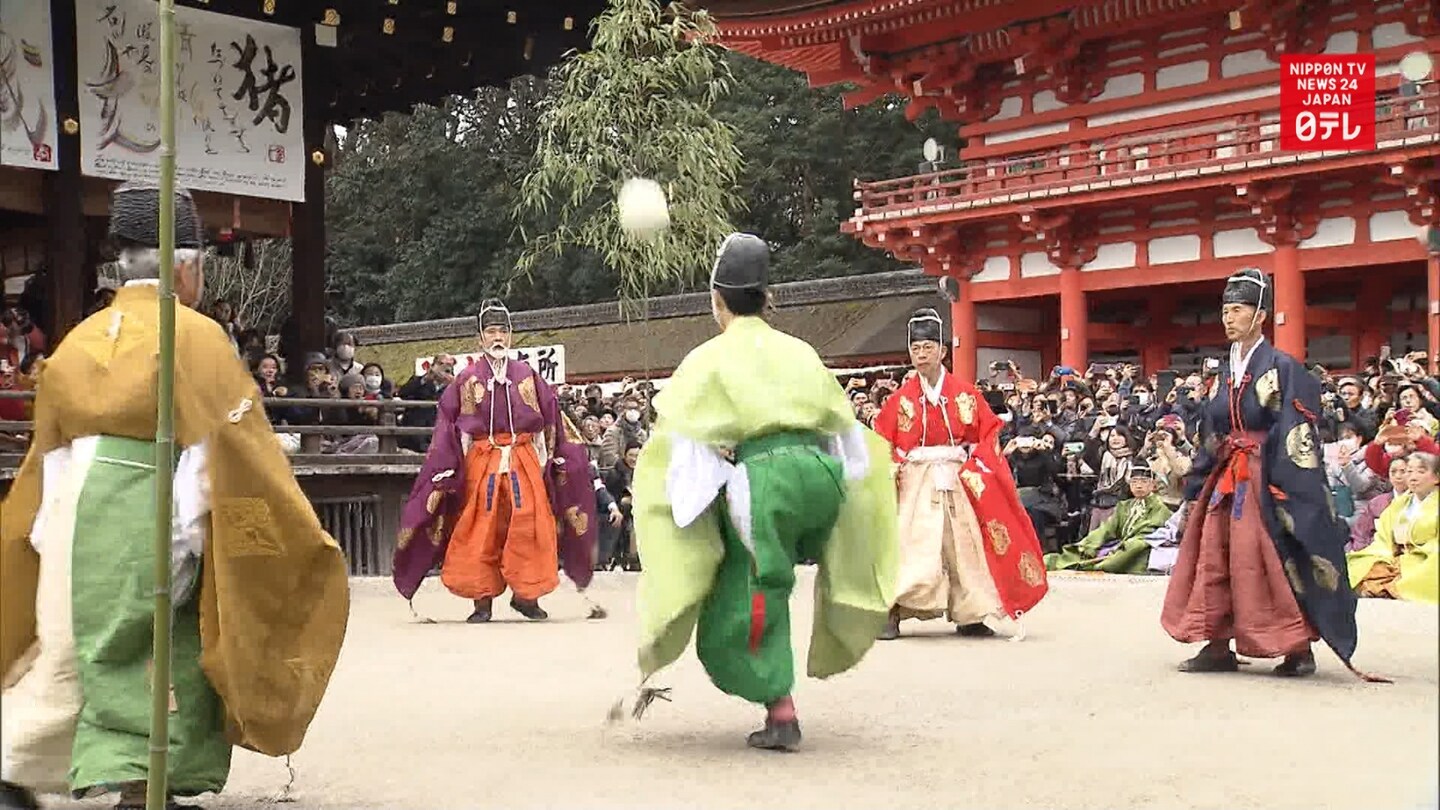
{"type": "Point", "coordinates": [481, 614]}
{"type": "Point", "coordinates": [776, 736]}
{"type": "Point", "coordinates": [17, 797]}
{"type": "Point", "coordinates": [1210, 662]}
{"type": "Point", "coordinates": [528, 609]}
{"type": "Point", "coordinates": [1300, 665]}
{"type": "Point", "coordinates": [891, 631]}
{"type": "Point", "coordinates": [976, 630]}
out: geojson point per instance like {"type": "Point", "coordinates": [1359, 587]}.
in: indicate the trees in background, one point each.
{"type": "Point", "coordinates": [594, 136]}
{"type": "Point", "coordinates": [420, 207]}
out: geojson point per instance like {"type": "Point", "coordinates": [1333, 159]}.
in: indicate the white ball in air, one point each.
{"type": "Point", "coordinates": [643, 210]}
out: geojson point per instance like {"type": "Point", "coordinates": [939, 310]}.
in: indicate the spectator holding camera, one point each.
{"type": "Point", "coordinates": [1036, 464]}
{"type": "Point", "coordinates": [1168, 456]}
{"type": "Point", "coordinates": [1109, 455]}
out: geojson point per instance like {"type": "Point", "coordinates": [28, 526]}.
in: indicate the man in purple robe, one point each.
{"type": "Point", "coordinates": [503, 491]}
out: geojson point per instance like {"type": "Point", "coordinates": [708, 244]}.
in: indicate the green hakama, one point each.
{"type": "Point", "coordinates": [719, 540]}
{"type": "Point", "coordinates": [93, 684]}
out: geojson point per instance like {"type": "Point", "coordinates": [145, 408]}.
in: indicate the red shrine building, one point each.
{"type": "Point", "coordinates": [1120, 158]}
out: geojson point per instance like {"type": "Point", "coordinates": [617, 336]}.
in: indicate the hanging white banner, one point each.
{"type": "Point", "coordinates": [238, 103]}
{"type": "Point", "coordinates": [27, 86]}
{"type": "Point", "coordinates": [548, 361]}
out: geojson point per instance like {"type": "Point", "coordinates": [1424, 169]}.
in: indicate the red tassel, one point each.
{"type": "Point", "coordinates": [757, 620]}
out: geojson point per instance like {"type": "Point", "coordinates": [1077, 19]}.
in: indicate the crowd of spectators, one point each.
{"type": "Point", "coordinates": [1073, 438]}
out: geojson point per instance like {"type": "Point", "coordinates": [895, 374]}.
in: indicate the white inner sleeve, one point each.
{"type": "Point", "coordinates": [851, 449]}
{"type": "Point", "coordinates": [695, 476]}
{"type": "Point", "coordinates": [190, 519]}
{"type": "Point", "coordinates": [56, 466]}
{"type": "Point", "coordinates": [737, 498]}
{"type": "Point", "coordinates": [541, 450]}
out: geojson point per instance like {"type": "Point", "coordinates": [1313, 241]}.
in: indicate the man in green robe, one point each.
{"type": "Point", "coordinates": [757, 463]}
{"type": "Point", "coordinates": [1120, 545]}
{"type": "Point", "coordinates": [260, 594]}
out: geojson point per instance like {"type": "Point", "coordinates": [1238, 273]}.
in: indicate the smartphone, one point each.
{"type": "Point", "coordinates": [1212, 363]}
{"type": "Point", "coordinates": [1074, 448]}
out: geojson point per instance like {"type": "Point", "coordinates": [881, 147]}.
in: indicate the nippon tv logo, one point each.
{"type": "Point", "coordinates": [1327, 102]}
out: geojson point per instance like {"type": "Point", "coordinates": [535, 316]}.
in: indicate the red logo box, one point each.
{"type": "Point", "coordinates": [1327, 102]}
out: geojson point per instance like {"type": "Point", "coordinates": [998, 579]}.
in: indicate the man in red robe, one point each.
{"type": "Point", "coordinates": [967, 549]}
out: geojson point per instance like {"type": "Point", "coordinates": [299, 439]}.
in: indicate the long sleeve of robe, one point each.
{"type": "Point", "coordinates": [274, 592]}
{"type": "Point", "coordinates": [1418, 562]}
{"type": "Point", "coordinates": [748, 382]}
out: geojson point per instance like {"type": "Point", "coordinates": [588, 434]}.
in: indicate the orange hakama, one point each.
{"type": "Point", "coordinates": [505, 535]}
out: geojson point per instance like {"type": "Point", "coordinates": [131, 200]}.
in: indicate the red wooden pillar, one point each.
{"type": "Point", "coordinates": [1155, 351]}
{"type": "Point", "coordinates": [1289, 301]}
{"type": "Point", "coordinates": [965, 333]}
{"type": "Point", "coordinates": [1370, 333]}
{"type": "Point", "coordinates": [1433, 277]}
{"type": "Point", "coordinates": [1074, 321]}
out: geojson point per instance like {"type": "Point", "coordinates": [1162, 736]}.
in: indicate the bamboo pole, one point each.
{"type": "Point", "coordinates": [158, 778]}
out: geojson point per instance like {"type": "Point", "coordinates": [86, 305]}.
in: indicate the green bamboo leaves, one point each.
{"type": "Point", "coordinates": [637, 104]}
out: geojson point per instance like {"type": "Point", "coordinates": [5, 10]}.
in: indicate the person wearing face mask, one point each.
{"type": "Point", "coordinates": [501, 472]}
{"type": "Point", "coordinates": [1362, 528]}
{"type": "Point", "coordinates": [77, 552]}
{"type": "Point", "coordinates": [627, 430]}
{"type": "Point", "coordinates": [1142, 410]}
{"type": "Point", "coordinates": [376, 386]}
{"type": "Point", "coordinates": [968, 549]}
{"type": "Point", "coordinates": [1262, 558]}
{"type": "Point", "coordinates": [1349, 461]}
{"type": "Point", "coordinates": [343, 361]}
{"type": "Point", "coordinates": [1403, 562]}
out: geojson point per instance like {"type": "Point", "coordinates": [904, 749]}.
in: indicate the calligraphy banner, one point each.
{"type": "Point", "coordinates": [238, 103]}
{"type": "Point", "coordinates": [547, 361]}
{"type": "Point", "coordinates": [27, 86]}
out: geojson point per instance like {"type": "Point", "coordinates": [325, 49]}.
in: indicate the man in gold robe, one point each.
{"type": "Point", "coordinates": [259, 589]}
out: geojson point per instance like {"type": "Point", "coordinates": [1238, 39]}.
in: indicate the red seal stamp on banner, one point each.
{"type": "Point", "coordinates": [1327, 101]}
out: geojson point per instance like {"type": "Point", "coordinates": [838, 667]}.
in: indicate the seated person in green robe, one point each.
{"type": "Point", "coordinates": [1119, 545]}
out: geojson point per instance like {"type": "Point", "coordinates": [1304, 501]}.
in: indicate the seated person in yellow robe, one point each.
{"type": "Point", "coordinates": [1401, 563]}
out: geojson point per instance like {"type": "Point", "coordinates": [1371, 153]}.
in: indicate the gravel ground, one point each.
{"type": "Point", "coordinates": [1087, 712]}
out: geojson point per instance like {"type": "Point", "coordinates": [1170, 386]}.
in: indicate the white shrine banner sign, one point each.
{"type": "Point", "coordinates": [238, 114]}
{"type": "Point", "coordinates": [27, 86]}
{"type": "Point", "coordinates": [548, 361]}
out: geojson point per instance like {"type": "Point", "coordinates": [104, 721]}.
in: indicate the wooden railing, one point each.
{"type": "Point", "coordinates": [1224, 144]}
{"type": "Point", "coordinates": [14, 435]}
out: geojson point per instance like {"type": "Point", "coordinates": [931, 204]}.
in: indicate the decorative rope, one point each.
{"type": "Point", "coordinates": [414, 614]}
